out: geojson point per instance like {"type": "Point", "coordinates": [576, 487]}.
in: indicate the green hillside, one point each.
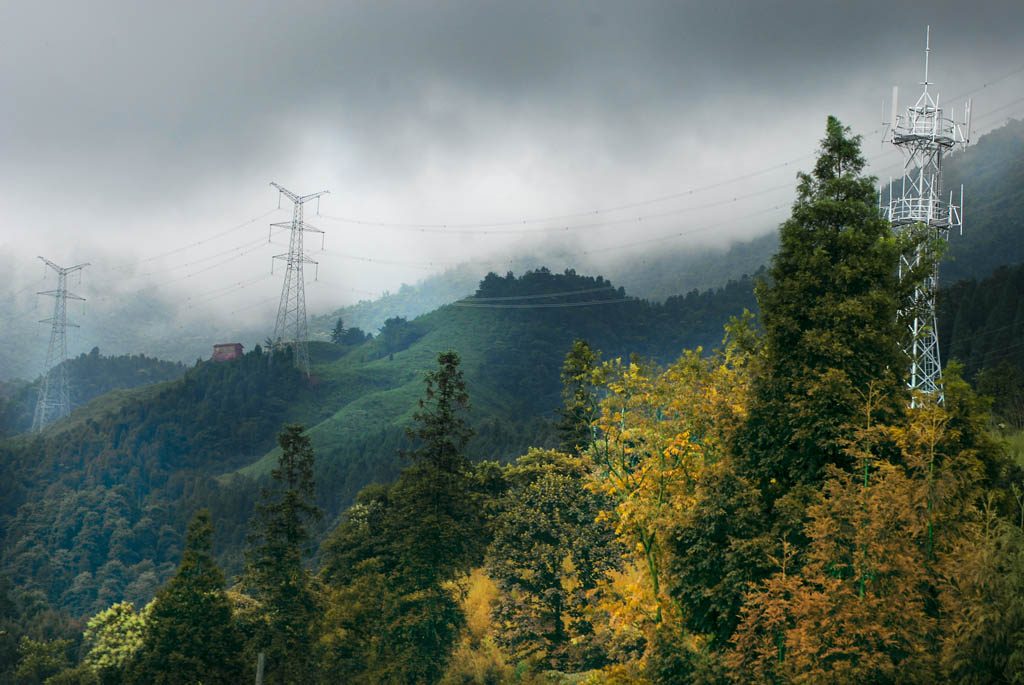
{"type": "Point", "coordinates": [991, 169]}
{"type": "Point", "coordinates": [89, 376]}
{"type": "Point", "coordinates": [992, 172]}
{"type": "Point", "coordinates": [93, 507]}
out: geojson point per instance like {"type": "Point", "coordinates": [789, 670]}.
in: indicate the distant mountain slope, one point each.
{"type": "Point", "coordinates": [89, 376]}
{"type": "Point", "coordinates": [981, 322]}
{"type": "Point", "coordinates": [991, 169]}
{"type": "Point", "coordinates": [655, 277]}
{"type": "Point", "coordinates": [659, 275]}
{"type": "Point", "coordinates": [89, 509]}
{"type": "Point", "coordinates": [992, 172]}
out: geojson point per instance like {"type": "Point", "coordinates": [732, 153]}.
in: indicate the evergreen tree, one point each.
{"type": "Point", "coordinates": [829, 310]}
{"type": "Point", "coordinates": [338, 334]}
{"type": "Point", "coordinates": [437, 518]}
{"type": "Point", "coordinates": [393, 617]}
{"type": "Point", "coordinates": [579, 398]}
{"type": "Point", "coordinates": [274, 572]}
{"type": "Point", "coordinates": [190, 634]}
{"type": "Point", "coordinates": [832, 345]}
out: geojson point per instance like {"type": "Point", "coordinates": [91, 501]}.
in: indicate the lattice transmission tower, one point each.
{"type": "Point", "coordinates": [54, 395]}
{"type": "Point", "coordinates": [919, 208]}
{"type": "Point", "coordinates": [290, 328]}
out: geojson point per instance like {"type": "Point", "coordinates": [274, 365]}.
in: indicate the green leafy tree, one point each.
{"type": "Point", "coordinates": [396, 334]}
{"type": "Point", "coordinates": [579, 398]}
{"type": "Point", "coordinates": [190, 634]}
{"type": "Point", "coordinates": [115, 635]}
{"type": "Point", "coordinates": [548, 554]}
{"type": "Point", "coordinates": [38, 661]}
{"type": "Point", "coordinates": [290, 603]}
{"type": "Point", "coordinates": [354, 336]}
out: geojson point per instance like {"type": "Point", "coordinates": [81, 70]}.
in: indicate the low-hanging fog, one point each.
{"type": "Point", "coordinates": [142, 138]}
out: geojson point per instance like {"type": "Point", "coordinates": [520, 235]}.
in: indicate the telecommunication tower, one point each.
{"type": "Point", "coordinates": [54, 397]}
{"type": "Point", "coordinates": [919, 208]}
{"type": "Point", "coordinates": [290, 328]}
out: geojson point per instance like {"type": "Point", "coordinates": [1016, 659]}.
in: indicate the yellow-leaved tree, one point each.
{"type": "Point", "coordinates": [657, 431]}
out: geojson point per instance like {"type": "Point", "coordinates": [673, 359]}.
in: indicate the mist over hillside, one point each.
{"type": "Point", "coordinates": [185, 328]}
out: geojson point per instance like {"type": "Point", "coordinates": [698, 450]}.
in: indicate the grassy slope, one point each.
{"type": "Point", "coordinates": [368, 395]}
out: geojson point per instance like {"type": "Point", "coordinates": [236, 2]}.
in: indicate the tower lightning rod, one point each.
{"type": "Point", "coordinates": [54, 399]}
{"type": "Point", "coordinates": [290, 328]}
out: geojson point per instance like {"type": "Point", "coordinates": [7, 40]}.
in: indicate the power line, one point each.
{"type": "Point", "coordinates": [985, 85]}
{"type": "Point", "coordinates": [232, 229]}
{"type": "Point", "coordinates": [461, 229]}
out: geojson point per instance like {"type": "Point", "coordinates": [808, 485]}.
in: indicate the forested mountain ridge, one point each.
{"type": "Point", "coordinates": [203, 439]}
{"type": "Point", "coordinates": [89, 376]}
{"type": "Point", "coordinates": [775, 511]}
{"type": "Point", "coordinates": [991, 170]}
{"type": "Point", "coordinates": [992, 173]}
{"type": "Point", "coordinates": [94, 506]}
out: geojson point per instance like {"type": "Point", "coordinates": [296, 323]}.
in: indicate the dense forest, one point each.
{"type": "Point", "coordinates": [89, 376]}
{"type": "Point", "coordinates": [773, 510]}
{"type": "Point", "coordinates": [95, 507]}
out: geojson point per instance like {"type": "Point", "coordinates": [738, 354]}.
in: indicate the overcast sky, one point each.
{"type": "Point", "coordinates": [136, 129]}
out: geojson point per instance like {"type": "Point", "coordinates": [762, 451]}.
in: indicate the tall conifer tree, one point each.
{"type": "Point", "coordinates": [190, 633]}
{"type": "Point", "coordinates": [275, 574]}
{"type": "Point", "coordinates": [435, 512]}
{"type": "Point", "coordinates": [579, 398]}
{"type": "Point", "coordinates": [829, 310]}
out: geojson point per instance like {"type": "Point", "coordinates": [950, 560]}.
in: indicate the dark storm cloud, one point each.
{"type": "Point", "coordinates": [115, 114]}
{"type": "Point", "coordinates": [145, 91]}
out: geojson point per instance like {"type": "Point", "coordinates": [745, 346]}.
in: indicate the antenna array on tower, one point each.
{"type": "Point", "coordinates": [918, 208]}
{"type": "Point", "coordinates": [290, 328]}
{"type": "Point", "coordinates": [54, 394]}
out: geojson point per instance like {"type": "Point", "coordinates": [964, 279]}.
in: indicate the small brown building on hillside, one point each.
{"type": "Point", "coordinates": [225, 352]}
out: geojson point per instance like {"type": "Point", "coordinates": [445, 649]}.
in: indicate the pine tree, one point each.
{"type": "Point", "coordinates": [393, 616]}
{"type": "Point", "coordinates": [338, 334]}
{"type": "Point", "coordinates": [436, 516]}
{"type": "Point", "coordinates": [190, 634]}
{"type": "Point", "coordinates": [550, 549]}
{"type": "Point", "coordinates": [274, 572]}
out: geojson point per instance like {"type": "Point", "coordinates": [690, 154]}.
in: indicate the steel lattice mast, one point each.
{"type": "Point", "coordinates": [54, 396]}
{"type": "Point", "coordinates": [917, 208]}
{"type": "Point", "coordinates": [290, 328]}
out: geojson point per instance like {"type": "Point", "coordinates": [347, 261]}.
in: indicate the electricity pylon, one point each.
{"type": "Point", "coordinates": [290, 328]}
{"type": "Point", "coordinates": [54, 396]}
{"type": "Point", "coordinates": [918, 209]}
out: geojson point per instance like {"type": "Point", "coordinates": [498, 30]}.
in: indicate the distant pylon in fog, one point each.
{"type": "Point", "coordinates": [290, 328]}
{"type": "Point", "coordinates": [54, 395]}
